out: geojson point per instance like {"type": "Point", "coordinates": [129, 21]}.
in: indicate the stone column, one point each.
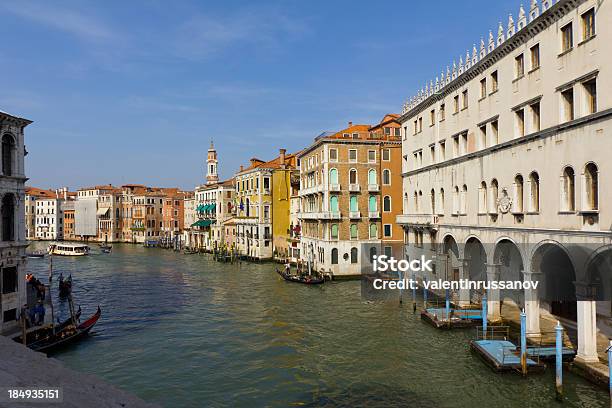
{"type": "Point", "coordinates": [532, 304]}
{"type": "Point", "coordinates": [493, 301]}
{"type": "Point", "coordinates": [464, 294]}
{"type": "Point", "coordinates": [587, 325]}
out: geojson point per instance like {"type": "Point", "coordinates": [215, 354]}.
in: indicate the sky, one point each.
{"type": "Point", "coordinates": [133, 92]}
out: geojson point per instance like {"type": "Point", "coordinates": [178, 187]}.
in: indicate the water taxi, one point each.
{"type": "Point", "coordinates": [68, 249]}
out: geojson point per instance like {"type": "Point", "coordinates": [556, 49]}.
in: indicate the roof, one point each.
{"type": "Point", "coordinates": [388, 118]}
{"type": "Point", "coordinates": [290, 162]}
{"type": "Point", "coordinates": [39, 192]}
{"type": "Point", "coordinates": [20, 119]}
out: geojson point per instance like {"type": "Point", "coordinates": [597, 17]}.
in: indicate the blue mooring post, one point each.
{"type": "Point", "coordinates": [447, 305]}
{"type": "Point", "coordinates": [484, 316]}
{"type": "Point", "coordinates": [400, 275]}
{"type": "Point", "coordinates": [413, 293]}
{"type": "Point", "coordinates": [424, 295]}
{"type": "Point", "coordinates": [559, 361]}
{"type": "Point", "coordinates": [610, 370]}
{"type": "Point", "coordinates": [524, 342]}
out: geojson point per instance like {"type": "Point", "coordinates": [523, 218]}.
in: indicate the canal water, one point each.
{"type": "Point", "coordinates": [184, 331]}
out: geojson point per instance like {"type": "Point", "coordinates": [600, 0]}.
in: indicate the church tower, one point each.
{"type": "Point", "coordinates": [212, 176]}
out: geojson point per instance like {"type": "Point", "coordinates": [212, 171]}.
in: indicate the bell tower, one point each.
{"type": "Point", "coordinates": [212, 176]}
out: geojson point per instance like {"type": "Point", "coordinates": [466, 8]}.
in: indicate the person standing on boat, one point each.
{"type": "Point", "coordinates": [288, 268]}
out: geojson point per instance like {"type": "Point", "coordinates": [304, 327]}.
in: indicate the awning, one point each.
{"type": "Point", "coordinates": [202, 223]}
{"type": "Point", "coordinates": [102, 211]}
{"type": "Point", "coordinates": [212, 207]}
{"type": "Point", "coordinates": [200, 208]}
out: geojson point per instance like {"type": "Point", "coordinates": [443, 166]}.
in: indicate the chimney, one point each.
{"type": "Point", "coordinates": [241, 167]}
{"type": "Point", "coordinates": [350, 124]}
{"type": "Point", "coordinates": [281, 157]}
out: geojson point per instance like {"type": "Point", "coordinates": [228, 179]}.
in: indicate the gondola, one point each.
{"type": "Point", "coordinates": [306, 279]}
{"type": "Point", "coordinates": [36, 254]}
{"type": "Point", "coordinates": [65, 286]}
{"type": "Point", "coordinates": [45, 340]}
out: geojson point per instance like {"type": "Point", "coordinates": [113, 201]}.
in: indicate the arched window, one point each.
{"type": "Point", "coordinates": [354, 207]}
{"type": "Point", "coordinates": [373, 231]}
{"type": "Point", "coordinates": [372, 176]}
{"type": "Point", "coordinates": [372, 253]}
{"type": "Point", "coordinates": [416, 202]}
{"type": "Point", "coordinates": [568, 190]}
{"type": "Point", "coordinates": [333, 204]}
{"type": "Point", "coordinates": [456, 200]}
{"type": "Point", "coordinates": [591, 184]}
{"type": "Point", "coordinates": [494, 195]}
{"type": "Point", "coordinates": [534, 192]}
{"type": "Point", "coordinates": [334, 256]}
{"type": "Point", "coordinates": [387, 204]}
{"type": "Point", "coordinates": [442, 203]}
{"type": "Point", "coordinates": [354, 231]}
{"type": "Point", "coordinates": [334, 231]}
{"type": "Point", "coordinates": [372, 205]}
{"type": "Point", "coordinates": [519, 189]}
{"type": "Point", "coordinates": [482, 198]}
{"type": "Point", "coordinates": [8, 217]}
{"type": "Point", "coordinates": [8, 148]}
{"type": "Point", "coordinates": [333, 176]}
{"type": "Point", "coordinates": [353, 176]}
{"type": "Point", "coordinates": [386, 177]}
{"type": "Point", "coordinates": [463, 200]}
{"type": "Point", "coordinates": [433, 201]}
{"type": "Point", "coordinates": [354, 254]}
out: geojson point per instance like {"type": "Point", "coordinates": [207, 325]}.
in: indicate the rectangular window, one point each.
{"type": "Point", "coordinates": [456, 100]}
{"type": "Point", "coordinates": [483, 88]}
{"type": "Point", "coordinates": [420, 124]}
{"type": "Point", "coordinates": [9, 280]}
{"type": "Point", "coordinates": [519, 64]}
{"type": "Point", "coordinates": [465, 99]}
{"type": "Point", "coordinates": [494, 83]}
{"type": "Point", "coordinates": [387, 230]}
{"type": "Point", "coordinates": [387, 131]}
{"type": "Point", "coordinates": [416, 126]}
{"type": "Point", "coordinates": [371, 156]}
{"type": "Point", "coordinates": [535, 57]}
{"type": "Point", "coordinates": [483, 136]}
{"type": "Point", "coordinates": [432, 117]}
{"type": "Point", "coordinates": [588, 24]}
{"type": "Point", "coordinates": [520, 123]}
{"type": "Point", "coordinates": [590, 88]}
{"type": "Point", "coordinates": [333, 155]}
{"type": "Point", "coordinates": [9, 315]}
{"type": "Point", "coordinates": [442, 112]}
{"type": "Point", "coordinates": [464, 143]}
{"type": "Point", "coordinates": [432, 153]}
{"type": "Point", "coordinates": [456, 146]}
{"type": "Point", "coordinates": [535, 117]}
{"type": "Point", "coordinates": [355, 135]}
{"type": "Point", "coordinates": [567, 99]}
{"type": "Point", "coordinates": [352, 155]}
{"type": "Point", "coordinates": [398, 132]}
{"type": "Point", "coordinates": [567, 38]}
{"type": "Point", "coordinates": [266, 183]}
{"type": "Point", "coordinates": [386, 154]}
{"type": "Point", "coordinates": [442, 150]}
{"type": "Point", "coordinates": [494, 132]}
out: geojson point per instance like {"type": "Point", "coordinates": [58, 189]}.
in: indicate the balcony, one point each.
{"type": "Point", "coordinates": [373, 188]}
{"type": "Point", "coordinates": [354, 188]}
{"type": "Point", "coordinates": [373, 214]}
{"type": "Point", "coordinates": [334, 188]}
{"type": "Point", "coordinates": [354, 215]}
{"type": "Point", "coordinates": [329, 215]}
{"type": "Point", "coordinates": [310, 215]}
{"type": "Point", "coordinates": [419, 220]}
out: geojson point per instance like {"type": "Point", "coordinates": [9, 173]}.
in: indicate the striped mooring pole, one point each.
{"type": "Point", "coordinates": [523, 342]}
{"type": "Point", "coordinates": [447, 304]}
{"type": "Point", "coordinates": [559, 361]}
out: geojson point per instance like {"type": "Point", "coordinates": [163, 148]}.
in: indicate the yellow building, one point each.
{"type": "Point", "coordinates": [282, 191]}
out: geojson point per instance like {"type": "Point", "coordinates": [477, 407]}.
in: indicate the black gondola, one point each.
{"type": "Point", "coordinates": [65, 286]}
{"type": "Point", "coordinates": [306, 279]}
{"type": "Point", "coordinates": [44, 339]}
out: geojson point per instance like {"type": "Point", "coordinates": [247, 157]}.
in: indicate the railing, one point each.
{"type": "Point", "coordinates": [373, 214]}
{"type": "Point", "coordinates": [372, 188]}
{"type": "Point", "coordinates": [354, 188]}
{"type": "Point", "coordinates": [420, 219]}
{"type": "Point", "coordinates": [334, 188]}
{"type": "Point", "coordinates": [354, 215]}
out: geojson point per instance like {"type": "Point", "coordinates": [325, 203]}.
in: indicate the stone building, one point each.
{"type": "Point", "coordinates": [504, 157]}
{"type": "Point", "coordinates": [32, 194]}
{"type": "Point", "coordinates": [12, 222]}
{"type": "Point", "coordinates": [341, 223]}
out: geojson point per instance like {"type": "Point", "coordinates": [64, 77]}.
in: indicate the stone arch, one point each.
{"type": "Point", "coordinates": [557, 277]}
{"type": "Point", "coordinates": [450, 250]}
{"type": "Point", "coordinates": [476, 264]}
{"type": "Point", "coordinates": [598, 269]}
{"type": "Point", "coordinates": [509, 261]}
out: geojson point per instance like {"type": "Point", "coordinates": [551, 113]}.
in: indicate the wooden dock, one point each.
{"type": "Point", "coordinates": [503, 355]}
{"type": "Point", "coordinates": [458, 319]}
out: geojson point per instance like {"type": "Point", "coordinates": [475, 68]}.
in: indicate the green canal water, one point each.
{"type": "Point", "coordinates": [184, 331]}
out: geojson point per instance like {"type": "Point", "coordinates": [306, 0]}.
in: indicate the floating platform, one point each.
{"type": "Point", "coordinates": [503, 355]}
{"type": "Point", "coordinates": [549, 353]}
{"type": "Point", "coordinates": [458, 319]}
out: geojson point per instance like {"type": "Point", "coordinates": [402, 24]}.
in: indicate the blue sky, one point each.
{"type": "Point", "coordinates": [133, 92]}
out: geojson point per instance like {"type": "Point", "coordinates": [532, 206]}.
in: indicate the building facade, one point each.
{"type": "Point", "coordinates": [503, 162]}
{"type": "Point", "coordinates": [12, 222]}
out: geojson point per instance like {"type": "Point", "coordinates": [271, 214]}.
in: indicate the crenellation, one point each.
{"type": "Point", "coordinates": [534, 11]}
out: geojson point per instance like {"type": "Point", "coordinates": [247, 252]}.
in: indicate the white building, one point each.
{"type": "Point", "coordinates": [504, 157]}
{"type": "Point", "coordinates": [12, 222]}
{"type": "Point", "coordinates": [49, 219]}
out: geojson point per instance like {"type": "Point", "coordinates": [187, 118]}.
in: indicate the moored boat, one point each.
{"type": "Point", "coordinates": [65, 286]}
{"type": "Point", "coordinates": [305, 279]}
{"type": "Point", "coordinates": [36, 254]}
{"type": "Point", "coordinates": [68, 249]}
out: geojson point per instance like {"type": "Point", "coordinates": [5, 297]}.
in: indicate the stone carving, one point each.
{"type": "Point", "coordinates": [504, 202]}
